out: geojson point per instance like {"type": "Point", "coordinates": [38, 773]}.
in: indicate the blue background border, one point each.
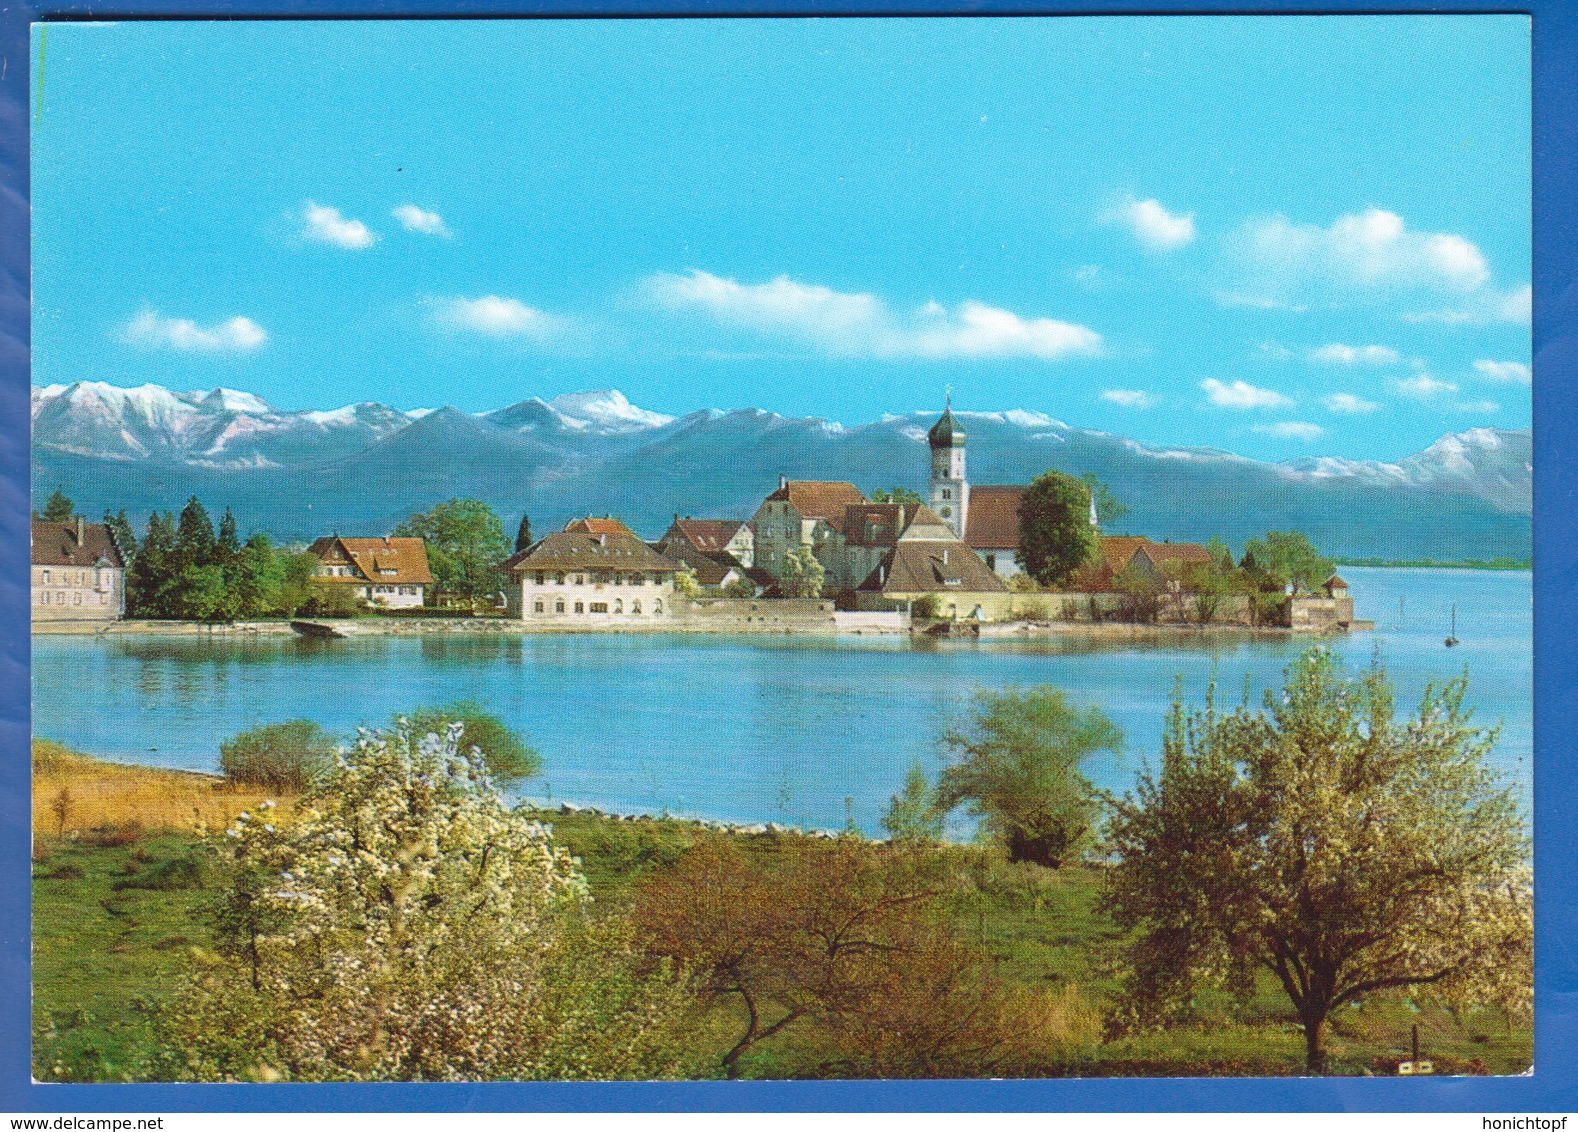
{"type": "Point", "coordinates": [1554, 1087]}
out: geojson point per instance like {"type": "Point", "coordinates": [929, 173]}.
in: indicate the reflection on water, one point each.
{"type": "Point", "coordinates": [751, 728]}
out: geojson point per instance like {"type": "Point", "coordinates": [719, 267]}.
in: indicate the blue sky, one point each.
{"type": "Point", "coordinates": [1278, 236]}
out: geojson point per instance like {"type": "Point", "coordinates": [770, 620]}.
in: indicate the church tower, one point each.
{"type": "Point", "coordinates": [949, 495]}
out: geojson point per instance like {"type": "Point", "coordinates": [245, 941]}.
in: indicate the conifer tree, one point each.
{"type": "Point", "coordinates": [523, 534]}
{"type": "Point", "coordinates": [125, 537]}
{"type": "Point", "coordinates": [227, 547]}
{"type": "Point", "coordinates": [194, 538]}
{"type": "Point", "coordinates": [58, 508]}
{"type": "Point", "coordinates": [148, 580]}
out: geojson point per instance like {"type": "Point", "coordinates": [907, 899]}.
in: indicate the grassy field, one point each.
{"type": "Point", "coordinates": [119, 890]}
{"type": "Point", "coordinates": [74, 795]}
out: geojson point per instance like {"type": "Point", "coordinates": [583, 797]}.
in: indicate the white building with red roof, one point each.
{"type": "Point", "coordinates": [391, 572]}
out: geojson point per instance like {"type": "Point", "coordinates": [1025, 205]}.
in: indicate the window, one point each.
{"type": "Point", "coordinates": [43, 597]}
{"type": "Point", "coordinates": [638, 579]}
{"type": "Point", "coordinates": [991, 562]}
{"type": "Point", "coordinates": [558, 579]}
{"type": "Point", "coordinates": [104, 599]}
{"type": "Point", "coordinates": [46, 577]}
{"type": "Point", "coordinates": [78, 596]}
{"type": "Point", "coordinates": [619, 606]}
{"type": "Point", "coordinates": [408, 591]}
{"type": "Point", "coordinates": [580, 607]}
{"type": "Point", "coordinates": [537, 606]}
{"type": "Point", "coordinates": [945, 512]}
{"type": "Point", "coordinates": [540, 577]}
{"type": "Point", "coordinates": [60, 597]}
{"type": "Point", "coordinates": [558, 606]}
{"type": "Point", "coordinates": [657, 606]}
{"type": "Point", "coordinates": [947, 493]}
{"type": "Point", "coordinates": [580, 579]}
{"type": "Point", "coordinates": [599, 607]}
{"type": "Point", "coordinates": [635, 606]}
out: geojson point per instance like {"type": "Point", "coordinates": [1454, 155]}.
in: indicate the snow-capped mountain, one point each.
{"type": "Point", "coordinates": [1496, 463]}
{"type": "Point", "coordinates": [215, 428]}
{"type": "Point", "coordinates": [367, 466]}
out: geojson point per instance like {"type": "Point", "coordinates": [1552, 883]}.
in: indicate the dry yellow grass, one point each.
{"type": "Point", "coordinates": [99, 794]}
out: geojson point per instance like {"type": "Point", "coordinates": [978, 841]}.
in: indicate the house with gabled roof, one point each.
{"type": "Point", "coordinates": [79, 572]}
{"type": "Point", "coordinates": [388, 571]}
{"type": "Point", "coordinates": [927, 561]}
{"type": "Point", "coordinates": [578, 578]}
{"type": "Point", "coordinates": [731, 537]}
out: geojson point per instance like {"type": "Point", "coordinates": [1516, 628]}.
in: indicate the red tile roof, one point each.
{"type": "Point", "coordinates": [993, 517]}
{"type": "Point", "coordinates": [74, 543]}
{"type": "Point", "coordinates": [1182, 553]}
{"type": "Point", "coordinates": [387, 561]}
{"type": "Point", "coordinates": [706, 535]}
{"type": "Point", "coordinates": [1118, 550]}
{"type": "Point", "coordinates": [820, 499]}
{"type": "Point", "coordinates": [592, 525]}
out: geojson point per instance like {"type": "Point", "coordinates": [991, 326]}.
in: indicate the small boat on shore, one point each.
{"type": "Point", "coordinates": [314, 630]}
{"type": "Point", "coordinates": [1452, 642]}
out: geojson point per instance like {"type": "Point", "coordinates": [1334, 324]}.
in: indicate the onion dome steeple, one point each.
{"type": "Point", "coordinates": [947, 432]}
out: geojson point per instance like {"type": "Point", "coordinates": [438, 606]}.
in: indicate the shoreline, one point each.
{"type": "Point", "coordinates": [391, 627]}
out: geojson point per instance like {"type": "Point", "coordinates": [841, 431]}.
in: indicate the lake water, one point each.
{"type": "Point", "coordinates": [797, 730]}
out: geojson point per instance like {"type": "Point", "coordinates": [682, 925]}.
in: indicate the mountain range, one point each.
{"type": "Point", "coordinates": [363, 468]}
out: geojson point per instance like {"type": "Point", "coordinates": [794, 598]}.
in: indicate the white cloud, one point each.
{"type": "Point", "coordinates": [1242, 395]}
{"type": "Point", "coordinates": [414, 219]}
{"type": "Point", "coordinates": [498, 318]}
{"type": "Point", "coordinates": [151, 330]}
{"type": "Point", "coordinates": [846, 324]}
{"type": "Point", "coordinates": [1348, 403]}
{"type": "Point", "coordinates": [1369, 256]}
{"type": "Point", "coordinates": [1338, 354]}
{"type": "Point", "coordinates": [1505, 371]}
{"type": "Point", "coordinates": [327, 226]}
{"type": "Point", "coordinates": [1292, 430]}
{"type": "Point", "coordinates": [1130, 398]}
{"type": "Point", "coordinates": [1424, 387]}
{"type": "Point", "coordinates": [1152, 225]}
{"type": "Point", "coordinates": [1479, 407]}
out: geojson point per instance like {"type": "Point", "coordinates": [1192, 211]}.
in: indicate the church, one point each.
{"type": "Point", "coordinates": [895, 552]}
{"type": "Point", "coordinates": [963, 541]}
{"type": "Point", "coordinates": [985, 516]}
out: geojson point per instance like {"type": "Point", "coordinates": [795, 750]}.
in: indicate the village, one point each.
{"type": "Point", "coordinates": [815, 556]}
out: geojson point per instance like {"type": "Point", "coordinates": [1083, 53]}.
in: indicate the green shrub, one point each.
{"type": "Point", "coordinates": [509, 759]}
{"type": "Point", "coordinates": [287, 757]}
